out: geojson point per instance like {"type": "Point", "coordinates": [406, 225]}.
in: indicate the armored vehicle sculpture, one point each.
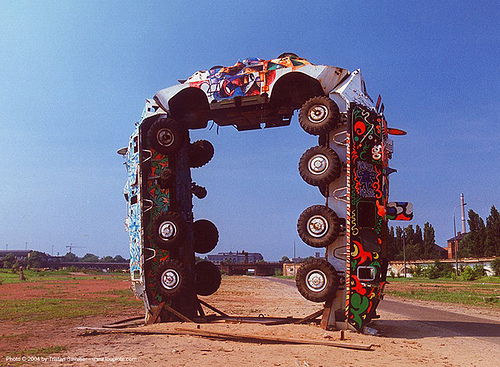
{"type": "Point", "coordinates": [349, 165]}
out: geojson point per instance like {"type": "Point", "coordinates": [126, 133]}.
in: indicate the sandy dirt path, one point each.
{"type": "Point", "coordinates": [402, 340]}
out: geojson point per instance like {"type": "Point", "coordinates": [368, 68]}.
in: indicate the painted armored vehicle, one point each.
{"type": "Point", "coordinates": [349, 165]}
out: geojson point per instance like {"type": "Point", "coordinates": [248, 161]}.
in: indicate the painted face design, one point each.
{"type": "Point", "coordinates": [377, 152]}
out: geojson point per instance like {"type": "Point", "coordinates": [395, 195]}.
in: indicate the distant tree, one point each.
{"type": "Point", "coordinates": [418, 240]}
{"type": "Point", "coordinates": [413, 250]}
{"type": "Point", "coordinates": [285, 259]}
{"type": "Point", "coordinates": [492, 241]}
{"type": "Point", "coordinates": [90, 258]}
{"type": "Point", "coordinates": [70, 257]}
{"type": "Point", "coordinates": [495, 266]}
{"type": "Point", "coordinates": [468, 274]}
{"type": "Point", "coordinates": [473, 243]}
{"type": "Point", "coordinates": [8, 261]}
{"type": "Point", "coordinates": [119, 259]}
{"type": "Point", "coordinates": [429, 243]}
{"type": "Point", "coordinates": [392, 249]}
{"type": "Point", "coordinates": [106, 259]}
{"type": "Point", "coordinates": [398, 243]}
{"type": "Point", "coordinates": [36, 259]}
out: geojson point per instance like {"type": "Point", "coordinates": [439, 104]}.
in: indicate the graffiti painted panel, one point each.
{"type": "Point", "coordinates": [399, 211]}
{"type": "Point", "coordinates": [366, 219]}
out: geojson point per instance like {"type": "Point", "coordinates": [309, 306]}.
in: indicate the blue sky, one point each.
{"type": "Point", "coordinates": [74, 76]}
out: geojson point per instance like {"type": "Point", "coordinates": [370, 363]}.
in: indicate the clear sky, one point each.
{"type": "Point", "coordinates": [74, 76]}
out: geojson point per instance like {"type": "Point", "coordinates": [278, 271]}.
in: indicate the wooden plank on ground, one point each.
{"type": "Point", "coordinates": [213, 308]}
{"type": "Point", "coordinates": [326, 314]}
{"type": "Point", "coordinates": [309, 318]}
{"type": "Point", "coordinates": [156, 313]}
{"type": "Point", "coordinates": [272, 339]}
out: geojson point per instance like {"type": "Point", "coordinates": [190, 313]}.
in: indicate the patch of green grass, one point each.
{"type": "Point", "coordinates": [16, 337]}
{"type": "Point", "coordinates": [41, 351]}
{"type": "Point", "coordinates": [8, 277]}
{"type": "Point", "coordinates": [495, 280]}
{"type": "Point", "coordinates": [120, 292]}
{"type": "Point", "coordinates": [55, 308]}
{"type": "Point", "coordinates": [285, 276]}
{"type": "Point", "coordinates": [462, 296]}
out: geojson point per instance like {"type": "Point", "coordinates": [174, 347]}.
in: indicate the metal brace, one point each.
{"type": "Point", "coordinates": [340, 197]}
{"type": "Point", "coordinates": [149, 153]}
{"type": "Point", "coordinates": [148, 205]}
{"type": "Point", "coordinates": [151, 257]}
{"type": "Point", "coordinates": [338, 142]}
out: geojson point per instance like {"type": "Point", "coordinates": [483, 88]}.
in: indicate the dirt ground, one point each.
{"type": "Point", "coordinates": [401, 340]}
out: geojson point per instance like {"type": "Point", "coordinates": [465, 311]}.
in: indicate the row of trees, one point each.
{"type": "Point", "coordinates": [420, 244]}
{"type": "Point", "coordinates": [89, 257]}
{"type": "Point", "coordinates": [481, 240]}
{"type": "Point", "coordinates": [39, 259]}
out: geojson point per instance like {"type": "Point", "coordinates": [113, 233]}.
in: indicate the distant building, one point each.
{"type": "Point", "coordinates": [290, 269]}
{"type": "Point", "coordinates": [19, 255]}
{"type": "Point", "coordinates": [242, 257]}
{"type": "Point", "coordinates": [453, 243]}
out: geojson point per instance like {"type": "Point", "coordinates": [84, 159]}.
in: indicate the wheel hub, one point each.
{"type": "Point", "coordinates": [165, 137]}
{"type": "Point", "coordinates": [316, 280]}
{"type": "Point", "coordinates": [318, 164]}
{"type": "Point", "coordinates": [317, 226]}
{"type": "Point", "coordinates": [318, 113]}
{"type": "Point", "coordinates": [170, 279]}
{"type": "Point", "coordinates": [167, 230]}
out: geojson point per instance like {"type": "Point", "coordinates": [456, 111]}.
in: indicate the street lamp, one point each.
{"type": "Point", "coordinates": [455, 238]}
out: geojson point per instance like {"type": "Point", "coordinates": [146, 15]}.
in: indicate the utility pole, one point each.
{"type": "Point", "coordinates": [455, 239]}
{"type": "Point", "coordinates": [404, 253]}
{"type": "Point", "coordinates": [464, 230]}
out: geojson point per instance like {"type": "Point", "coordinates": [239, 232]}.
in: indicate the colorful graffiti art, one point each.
{"type": "Point", "coordinates": [367, 183]}
{"type": "Point", "coordinates": [248, 77]}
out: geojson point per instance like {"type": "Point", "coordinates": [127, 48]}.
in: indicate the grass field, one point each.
{"type": "Point", "coordinates": [482, 292]}
{"type": "Point", "coordinates": [55, 294]}
{"type": "Point", "coordinates": [8, 277]}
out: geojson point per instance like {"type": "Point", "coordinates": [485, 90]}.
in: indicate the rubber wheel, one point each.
{"type": "Point", "coordinates": [171, 278]}
{"type": "Point", "coordinates": [319, 115]}
{"type": "Point", "coordinates": [167, 136]}
{"type": "Point", "coordinates": [318, 226]}
{"type": "Point", "coordinates": [319, 166]}
{"type": "Point", "coordinates": [207, 278]}
{"type": "Point", "coordinates": [200, 153]}
{"type": "Point", "coordinates": [169, 230]}
{"type": "Point", "coordinates": [288, 54]}
{"type": "Point", "coordinates": [206, 236]}
{"type": "Point", "coordinates": [317, 280]}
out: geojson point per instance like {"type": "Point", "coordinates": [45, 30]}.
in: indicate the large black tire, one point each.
{"type": "Point", "coordinates": [167, 136]}
{"type": "Point", "coordinates": [288, 54]}
{"type": "Point", "coordinates": [318, 226]}
{"type": "Point", "coordinates": [200, 153]}
{"type": "Point", "coordinates": [319, 166]}
{"type": "Point", "coordinates": [171, 278]}
{"type": "Point", "coordinates": [317, 280]}
{"type": "Point", "coordinates": [206, 236]}
{"type": "Point", "coordinates": [319, 115]}
{"type": "Point", "coordinates": [169, 230]}
{"type": "Point", "coordinates": [207, 278]}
